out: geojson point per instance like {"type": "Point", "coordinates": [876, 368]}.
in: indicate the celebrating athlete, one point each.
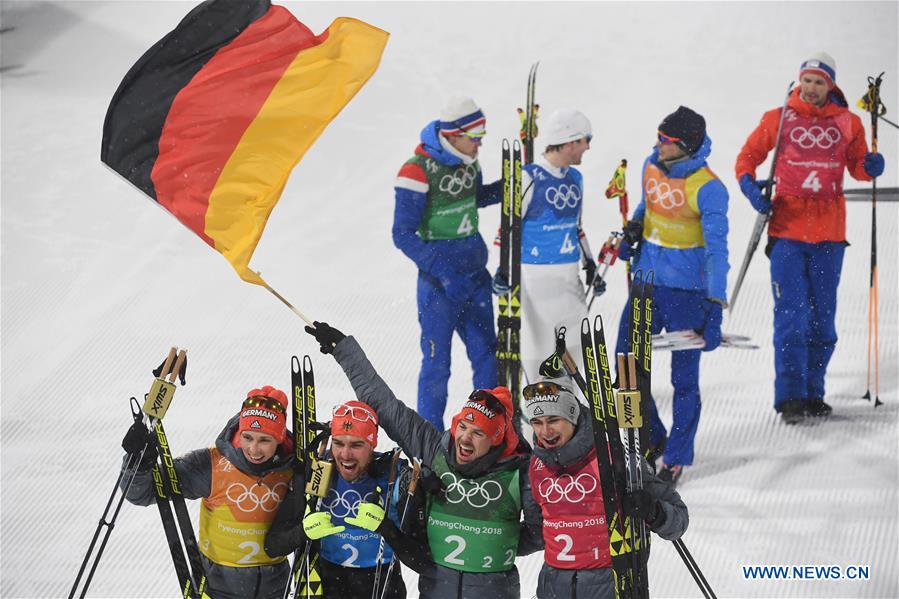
{"type": "Point", "coordinates": [479, 478]}
{"type": "Point", "coordinates": [565, 489]}
{"type": "Point", "coordinates": [807, 231]}
{"type": "Point", "coordinates": [681, 228]}
{"type": "Point", "coordinates": [241, 481]}
{"type": "Point", "coordinates": [352, 519]}
{"type": "Point", "coordinates": [435, 223]}
{"type": "Point", "coordinates": [553, 244]}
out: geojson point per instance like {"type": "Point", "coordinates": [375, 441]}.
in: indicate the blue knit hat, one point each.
{"type": "Point", "coordinates": [462, 115]}
{"type": "Point", "coordinates": [821, 64]}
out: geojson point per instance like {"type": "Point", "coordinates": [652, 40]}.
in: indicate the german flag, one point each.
{"type": "Point", "coordinates": [211, 120]}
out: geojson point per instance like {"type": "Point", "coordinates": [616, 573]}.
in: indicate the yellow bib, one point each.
{"type": "Point", "coordinates": [236, 516]}
{"type": "Point", "coordinates": [672, 212]}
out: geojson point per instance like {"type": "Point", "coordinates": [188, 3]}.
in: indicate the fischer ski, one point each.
{"type": "Point", "coordinates": [690, 339]}
{"type": "Point", "coordinates": [610, 456]}
{"type": "Point", "coordinates": [186, 558]}
{"type": "Point", "coordinates": [508, 351]}
{"type": "Point", "coordinates": [305, 578]}
{"type": "Point", "coordinates": [528, 117]}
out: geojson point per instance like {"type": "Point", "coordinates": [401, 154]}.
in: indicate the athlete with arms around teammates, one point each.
{"type": "Point", "coordinates": [241, 480]}
{"type": "Point", "coordinates": [435, 223]}
{"type": "Point", "coordinates": [565, 488]}
{"type": "Point", "coordinates": [477, 486]}
{"type": "Point", "coordinates": [807, 231]}
{"type": "Point", "coordinates": [348, 546]}
{"type": "Point", "coordinates": [681, 228]}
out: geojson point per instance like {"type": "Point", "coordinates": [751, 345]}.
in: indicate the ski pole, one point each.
{"type": "Point", "coordinates": [761, 220]}
{"type": "Point", "coordinates": [694, 570]}
{"type": "Point", "coordinates": [872, 103]}
{"type": "Point", "coordinates": [130, 466]}
{"type": "Point", "coordinates": [391, 479]}
{"type": "Point", "coordinates": [410, 491]}
{"type": "Point", "coordinates": [617, 188]}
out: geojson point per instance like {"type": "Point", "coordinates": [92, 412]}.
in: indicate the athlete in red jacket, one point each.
{"type": "Point", "coordinates": [807, 231]}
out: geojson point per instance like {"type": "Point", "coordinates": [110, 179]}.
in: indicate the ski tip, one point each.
{"type": "Point", "coordinates": [294, 364]}
{"type": "Point", "coordinates": [307, 363]}
{"type": "Point", "coordinates": [585, 326]}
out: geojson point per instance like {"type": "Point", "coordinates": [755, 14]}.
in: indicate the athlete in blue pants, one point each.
{"type": "Point", "coordinates": [435, 223]}
{"type": "Point", "coordinates": [681, 227]}
{"type": "Point", "coordinates": [804, 281]}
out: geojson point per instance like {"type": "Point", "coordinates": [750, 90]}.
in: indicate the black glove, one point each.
{"type": "Point", "coordinates": [136, 438]}
{"type": "Point", "coordinates": [640, 504]}
{"type": "Point", "coordinates": [633, 232]}
{"type": "Point", "coordinates": [599, 286]}
{"type": "Point", "coordinates": [430, 482]}
{"type": "Point", "coordinates": [327, 336]}
{"type": "Point", "coordinates": [590, 270]}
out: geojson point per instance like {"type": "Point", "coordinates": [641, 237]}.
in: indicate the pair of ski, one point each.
{"type": "Point", "coordinates": [305, 575]}
{"type": "Point", "coordinates": [619, 460]}
{"type": "Point", "coordinates": [170, 501]}
{"type": "Point", "coordinates": [508, 346]}
{"type": "Point", "coordinates": [690, 339]}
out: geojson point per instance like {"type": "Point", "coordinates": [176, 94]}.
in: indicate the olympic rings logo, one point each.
{"type": "Point", "coordinates": [249, 500]}
{"type": "Point", "coordinates": [343, 505]}
{"type": "Point", "coordinates": [563, 195]}
{"type": "Point", "coordinates": [475, 494]}
{"type": "Point", "coordinates": [815, 136]}
{"type": "Point", "coordinates": [459, 181]}
{"type": "Point", "coordinates": [663, 195]}
{"type": "Point", "coordinates": [572, 490]}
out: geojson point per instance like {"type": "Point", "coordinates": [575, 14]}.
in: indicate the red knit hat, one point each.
{"type": "Point", "coordinates": [356, 419]}
{"type": "Point", "coordinates": [265, 411]}
{"type": "Point", "coordinates": [486, 410]}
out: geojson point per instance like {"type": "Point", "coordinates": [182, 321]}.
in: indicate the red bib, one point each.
{"type": "Point", "coordinates": [813, 156]}
{"type": "Point", "coordinates": [575, 533]}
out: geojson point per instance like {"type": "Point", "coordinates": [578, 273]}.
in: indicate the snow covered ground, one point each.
{"type": "Point", "coordinates": [98, 282]}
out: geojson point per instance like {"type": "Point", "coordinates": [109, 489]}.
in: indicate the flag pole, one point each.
{"type": "Point", "coordinates": [287, 303]}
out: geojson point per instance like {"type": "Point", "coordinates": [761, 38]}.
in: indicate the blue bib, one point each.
{"type": "Point", "coordinates": [356, 547]}
{"type": "Point", "coordinates": [549, 228]}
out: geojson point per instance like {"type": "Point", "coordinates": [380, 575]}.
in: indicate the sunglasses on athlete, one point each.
{"type": "Point", "coordinates": [261, 401]}
{"type": "Point", "coordinates": [668, 139]}
{"type": "Point", "coordinates": [543, 388]}
{"type": "Point", "coordinates": [354, 412]}
{"type": "Point", "coordinates": [489, 400]}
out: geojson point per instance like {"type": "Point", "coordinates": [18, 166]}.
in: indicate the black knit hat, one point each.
{"type": "Point", "coordinates": [687, 126]}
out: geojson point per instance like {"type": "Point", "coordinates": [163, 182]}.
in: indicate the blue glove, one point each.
{"type": "Point", "coordinates": [874, 164]}
{"type": "Point", "coordinates": [753, 191]}
{"type": "Point", "coordinates": [711, 331]}
{"type": "Point", "coordinates": [625, 251]}
{"type": "Point", "coordinates": [500, 284]}
{"type": "Point", "coordinates": [459, 288]}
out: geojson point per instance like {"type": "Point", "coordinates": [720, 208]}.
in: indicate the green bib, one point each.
{"type": "Point", "coordinates": [451, 211]}
{"type": "Point", "coordinates": [473, 525]}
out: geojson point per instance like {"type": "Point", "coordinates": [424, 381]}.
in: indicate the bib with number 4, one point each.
{"type": "Point", "coordinates": [238, 512]}
{"type": "Point", "coordinates": [549, 228]}
{"type": "Point", "coordinates": [451, 211]}
{"type": "Point", "coordinates": [473, 524]}
{"type": "Point", "coordinates": [813, 156]}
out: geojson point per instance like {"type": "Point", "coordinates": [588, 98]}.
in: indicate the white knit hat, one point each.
{"type": "Point", "coordinates": [550, 397]}
{"type": "Point", "coordinates": [462, 115]}
{"type": "Point", "coordinates": [565, 125]}
{"type": "Point", "coordinates": [821, 64]}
